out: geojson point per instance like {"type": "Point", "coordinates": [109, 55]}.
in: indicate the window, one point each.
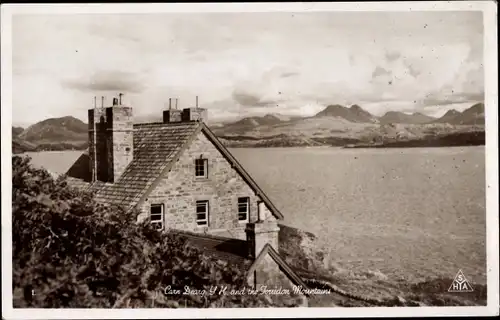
{"type": "Point", "coordinates": [243, 209]}
{"type": "Point", "coordinates": [202, 213]}
{"type": "Point", "coordinates": [201, 168]}
{"type": "Point", "coordinates": [157, 216]}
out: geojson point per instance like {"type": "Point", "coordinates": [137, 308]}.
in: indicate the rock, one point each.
{"type": "Point", "coordinates": [172, 304]}
{"type": "Point", "coordinates": [268, 299]}
{"type": "Point", "coordinates": [303, 302]}
{"type": "Point", "coordinates": [414, 303]}
{"type": "Point", "coordinates": [376, 274]}
{"type": "Point", "coordinates": [401, 300]}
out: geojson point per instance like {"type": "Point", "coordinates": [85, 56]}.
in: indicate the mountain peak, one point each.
{"type": "Point", "coordinates": [271, 116]}
{"type": "Point", "coordinates": [353, 114]}
{"type": "Point", "coordinates": [335, 107]}
{"type": "Point", "coordinates": [477, 108]}
{"type": "Point", "coordinates": [401, 117]}
{"type": "Point", "coordinates": [388, 113]}
{"type": "Point", "coordinates": [452, 112]}
{"type": "Point", "coordinates": [471, 116]}
{"type": "Point", "coordinates": [56, 129]}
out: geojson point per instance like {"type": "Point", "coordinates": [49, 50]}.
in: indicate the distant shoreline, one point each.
{"type": "Point", "coordinates": [458, 139]}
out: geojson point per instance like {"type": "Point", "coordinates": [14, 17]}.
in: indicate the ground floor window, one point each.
{"type": "Point", "coordinates": [202, 212]}
{"type": "Point", "coordinates": [156, 215]}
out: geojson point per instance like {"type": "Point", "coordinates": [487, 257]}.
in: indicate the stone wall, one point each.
{"type": "Point", "coordinates": [111, 150]}
{"type": "Point", "coordinates": [98, 144]}
{"type": "Point", "coordinates": [179, 190]}
{"type": "Point", "coordinates": [195, 114]}
{"type": "Point", "coordinates": [261, 233]}
{"type": "Point", "coordinates": [121, 141]}
{"type": "Point", "coordinates": [172, 115]}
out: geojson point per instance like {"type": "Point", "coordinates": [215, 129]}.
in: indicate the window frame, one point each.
{"type": "Point", "coordinates": [247, 202]}
{"type": "Point", "coordinates": [160, 222]}
{"type": "Point", "coordinates": [205, 222]}
{"type": "Point", "coordinates": [204, 166]}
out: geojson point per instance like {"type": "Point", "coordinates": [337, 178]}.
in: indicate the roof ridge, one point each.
{"type": "Point", "coordinates": [166, 124]}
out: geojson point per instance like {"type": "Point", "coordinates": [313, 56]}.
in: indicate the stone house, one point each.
{"type": "Point", "coordinates": [180, 177]}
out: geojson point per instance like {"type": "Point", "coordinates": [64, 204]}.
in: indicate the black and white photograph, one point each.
{"type": "Point", "coordinates": [249, 160]}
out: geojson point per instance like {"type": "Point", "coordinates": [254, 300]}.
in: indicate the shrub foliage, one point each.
{"type": "Point", "coordinates": [69, 252]}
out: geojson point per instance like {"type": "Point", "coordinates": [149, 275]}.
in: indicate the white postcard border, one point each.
{"type": "Point", "coordinates": [489, 10]}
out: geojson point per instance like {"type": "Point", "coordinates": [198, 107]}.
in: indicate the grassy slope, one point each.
{"type": "Point", "coordinates": [369, 288]}
{"type": "Point", "coordinates": [64, 133]}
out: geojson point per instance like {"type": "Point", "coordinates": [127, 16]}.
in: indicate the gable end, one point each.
{"type": "Point", "coordinates": [167, 168]}
{"type": "Point", "coordinates": [241, 171]}
{"type": "Point", "coordinates": [269, 250]}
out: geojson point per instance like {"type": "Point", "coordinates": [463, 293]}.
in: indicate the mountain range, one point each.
{"type": "Point", "coordinates": [335, 124]}
{"type": "Point", "coordinates": [357, 115]}
{"type": "Point", "coordinates": [472, 115]}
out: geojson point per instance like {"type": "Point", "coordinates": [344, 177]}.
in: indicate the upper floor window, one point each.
{"type": "Point", "coordinates": [202, 213]}
{"type": "Point", "coordinates": [243, 208]}
{"type": "Point", "coordinates": [201, 168]}
{"type": "Point", "coordinates": [156, 215]}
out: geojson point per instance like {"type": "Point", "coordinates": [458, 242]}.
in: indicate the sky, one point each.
{"type": "Point", "coordinates": [242, 64]}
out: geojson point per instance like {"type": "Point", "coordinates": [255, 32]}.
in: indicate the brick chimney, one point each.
{"type": "Point", "coordinates": [194, 114]}
{"type": "Point", "coordinates": [259, 233]}
{"type": "Point", "coordinates": [184, 115]}
{"type": "Point", "coordinates": [111, 140]}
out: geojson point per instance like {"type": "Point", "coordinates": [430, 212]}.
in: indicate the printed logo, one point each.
{"type": "Point", "coordinates": [460, 284]}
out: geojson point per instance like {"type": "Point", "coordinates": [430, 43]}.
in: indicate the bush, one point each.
{"type": "Point", "coordinates": [70, 252]}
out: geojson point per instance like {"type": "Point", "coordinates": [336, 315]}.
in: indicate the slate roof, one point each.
{"type": "Point", "coordinates": [84, 185]}
{"type": "Point", "coordinates": [80, 169]}
{"type": "Point", "coordinates": [156, 146]}
{"type": "Point", "coordinates": [231, 250]}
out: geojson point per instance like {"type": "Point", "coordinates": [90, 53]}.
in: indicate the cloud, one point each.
{"type": "Point", "coordinates": [107, 81]}
{"type": "Point", "coordinates": [289, 74]}
{"type": "Point", "coordinates": [392, 56]}
{"type": "Point", "coordinates": [283, 63]}
{"type": "Point", "coordinates": [247, 99]}
{"type": "Point", "coordinates": [414, 72]}
{"type": "Point", "coordinates": [379, 71]}
{"type": "Point", "coordinates": [437, 100]}
{"type": "Point", "coordinates": [252, 100]}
